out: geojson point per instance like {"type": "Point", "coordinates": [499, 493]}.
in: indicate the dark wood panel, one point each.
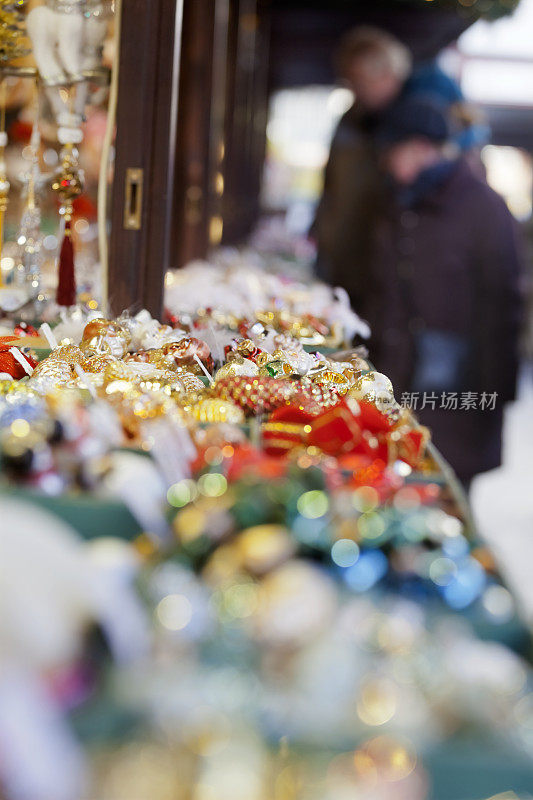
{"type": "Point", "coordinates": [247, 103]}
{"type": "Point", "coordinates": [190, 229]}
{"type": "Point", "coordinates": [146, 133]}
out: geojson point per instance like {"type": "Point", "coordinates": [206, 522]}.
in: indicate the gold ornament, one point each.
{"type": "Point", "coordinates": [276, 368]}
{"type": "Point", "coordinates": [188, 400]}
{"type": "Point", "coordinates": [246, 348]}
{"type": "Point", "coordinates": [12, 32]}
{"type": "Point", "coordinates": [68, 183]}
{"type": "Point", "coordinates": [186, 382]}
{"type": "Point", "coordinates": [104, 335]}
{"type": "Point", "coordinates": [54, 368]}
{"type": "Point", "coordinates": [70, 353]}
{"type": "Point", "coordinates": [376, 388]}
{"type": "Point", "coordinates": [59, 364]}
{"type": "Point", "coordinates": [214, 410]}
{"type": "Point", "coordinates": [96, 364]}
{"type": "Point", "coordinates": [333, 380]}
{"type": "Point", "coordinates": [97, 346]}
{"type": "Point", "coordinates": [117, 371]}
{"type": "Point", "coordinates": [350, 374]}
{"type": "Point", "coordinates": [275, 365]}
{"type": "Point", "coordinates": [237, 366]}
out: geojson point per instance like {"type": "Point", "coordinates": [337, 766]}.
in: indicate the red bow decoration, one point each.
{"type": "Point", "coordinates": [344, 430]}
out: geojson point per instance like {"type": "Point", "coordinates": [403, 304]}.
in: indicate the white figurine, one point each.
{"type": "Point", "coordinates": [67, 38]}
{"type": "Point", "coordinates": [51, 585]}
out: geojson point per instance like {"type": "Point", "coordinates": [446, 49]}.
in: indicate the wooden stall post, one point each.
{"type": "Point", "coordinates": [147, 117]}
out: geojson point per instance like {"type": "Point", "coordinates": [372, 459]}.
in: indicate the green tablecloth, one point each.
{"type": "Point", "coordinates": [89, 515]}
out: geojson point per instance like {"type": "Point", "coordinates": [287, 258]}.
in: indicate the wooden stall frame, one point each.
{"type": "Point", "coordinates": [145, 147]}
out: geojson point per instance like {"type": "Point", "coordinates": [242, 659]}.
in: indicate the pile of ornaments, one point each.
{"type": "Point", "coordinates": [300, 400]}
{"type": "Point", "coordinates": [236, 287]}
{"type": "Point", "coordinates": [302, 612]}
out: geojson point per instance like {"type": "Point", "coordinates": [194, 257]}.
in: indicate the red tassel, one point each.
{"type": "Point", "coordinates": [66, 285]}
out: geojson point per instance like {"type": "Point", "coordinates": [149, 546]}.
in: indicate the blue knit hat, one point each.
{"type": "Point", "coordinates": [415, 116]}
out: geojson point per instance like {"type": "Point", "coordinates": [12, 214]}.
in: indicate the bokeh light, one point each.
{"type": "Point", "coordinates": [174, 612]}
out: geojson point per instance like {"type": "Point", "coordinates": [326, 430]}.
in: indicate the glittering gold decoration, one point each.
{"type": "Point", "coordinates": [214, 410]}
{"type": "Point", "coordinates": [297, 326]}
{"type": "Point", "coordinates": [118, 370]}
{"type": "Point", "coordinates": [376, 388]}
{"type": "Point", "coordinates": [60, 363]}
{"type": "Point", "coordinates": [256, 395]}
{"type": "Point", "coordinates": [276, 368]}
{"type": "Point", "coordinates": [238, 365]}
{"type": "Point", "coordinates": [333, 380]}
{"type": "Point", "coordinates": [246, 348]}
{"type": "Point", "coordinates": [67, 183]}
{"type": "Point", "coordinates": [98, 363]}
{"type": "Point", "coordinates": [69, 353]}
{"type": "Point", "coordinates": [263, 358]}
{"type": "Point", "coordinates": [97, 346]}
{"type": "Point", "coordinates": [188, 381]}
{"type": "Point", "coordinates": [369, 386]}
{"type": "Point", "coordinates": [189, 399]}
{"type": "Point", "coordinates": [12, 32]}
{"type": "Point", "coordinates": [103, 335]}
{"type": "Point", "coordinates": [318, 397]}
{"type": "Point", "coordinates": [350, 374]}
{"type": "Point", "coordinates": [144, 356]}
{"type": "Point", "coordinates": [275, 365]}
{"type": "Point", "coordinates": [184, 351]}
{"type": "Point", "coordinates": [61, 371]}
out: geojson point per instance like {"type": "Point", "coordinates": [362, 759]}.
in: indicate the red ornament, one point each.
{"type": "Point", "coordinates": [256, 395]}
{"type": "Point", "coordinates": [25, 329]}
{"type": "Point", "coordinates": [8, 362]}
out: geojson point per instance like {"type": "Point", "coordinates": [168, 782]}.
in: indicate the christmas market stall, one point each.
{"type": "Point", "coordinates": [232, 564]}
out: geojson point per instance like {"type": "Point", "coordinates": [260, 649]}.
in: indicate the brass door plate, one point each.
{"type": "Point", "coordinates": [133, 201]}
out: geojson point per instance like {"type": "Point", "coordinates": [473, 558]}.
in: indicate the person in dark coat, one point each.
{"type": "Point", "coordinates": [378, 68]}
{"type": "Point", "coordinates": [443, 298]}
{"type": "Point", "coordinates": [375, 66]}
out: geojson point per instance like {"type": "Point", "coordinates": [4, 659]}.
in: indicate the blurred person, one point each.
{"type": "Point", "coordinates": [444, 301]}
{"type": "Point", "coordinates": [378, 68]}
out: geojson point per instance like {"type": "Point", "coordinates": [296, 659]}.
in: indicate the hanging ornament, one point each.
{"type": "Point", "coordinates": [29, 236]}
{"type": "Point", "coordinates": [68, 184]}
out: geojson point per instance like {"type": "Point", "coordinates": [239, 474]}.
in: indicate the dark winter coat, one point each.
{"type": "Point", "coordinates": [449, 261]}
{"type": "Point", "coordinates": [354, 195]}
{"type": "Point", "coordinates": [354, 189]}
